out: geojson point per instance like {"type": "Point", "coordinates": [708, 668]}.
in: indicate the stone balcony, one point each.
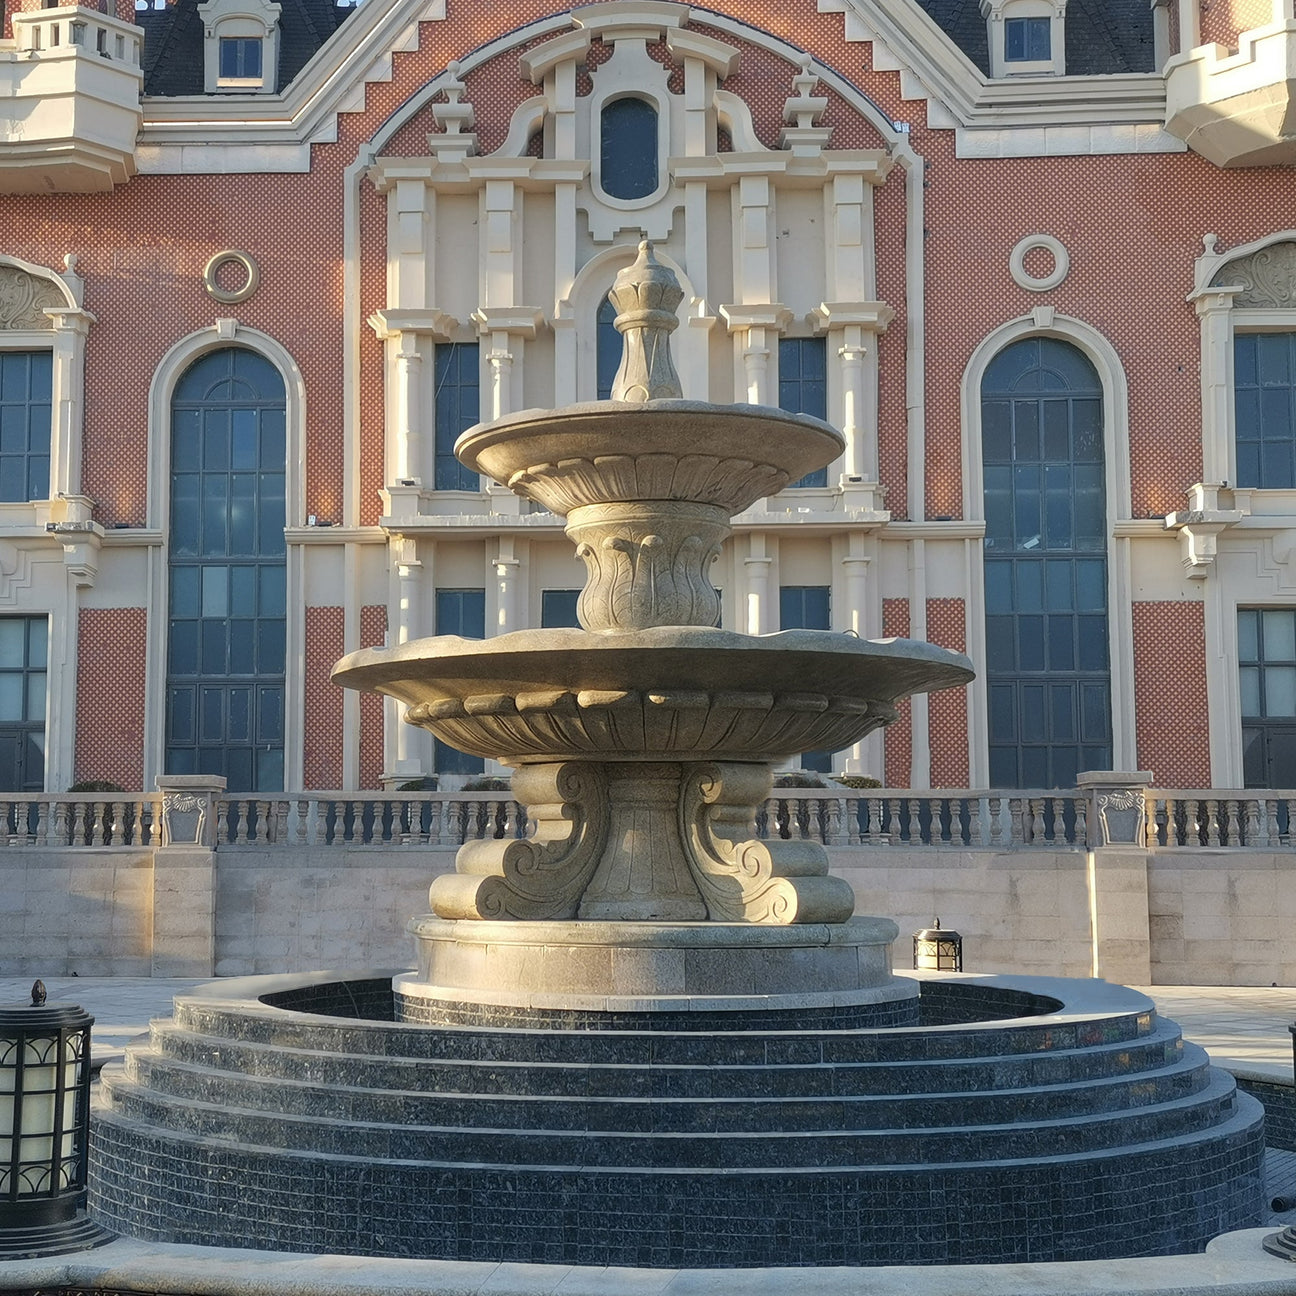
{"type": "Point", "coordinates": [71, 82]}
{"type": "Point", "coordinates": [1237, 108]}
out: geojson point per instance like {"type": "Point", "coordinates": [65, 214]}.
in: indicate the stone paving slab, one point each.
{"type": "Point", "coordinates": [1233, 1265]}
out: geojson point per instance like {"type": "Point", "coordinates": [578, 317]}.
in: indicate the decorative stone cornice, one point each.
{"type": "Point", "coordinates": [1199, 527]}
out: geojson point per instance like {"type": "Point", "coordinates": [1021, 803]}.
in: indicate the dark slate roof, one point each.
{"type": "Point", "coordinates": [173, 42]}
{"type": "Point", "coordinates": [1102, 36]}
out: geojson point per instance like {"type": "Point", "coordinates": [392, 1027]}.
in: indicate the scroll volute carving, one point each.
{"type": "Point", "coordinates": [543, 875]}
{"type": "Point", "coordinates": [743, 879]}
{"type": "Point", "coordinates": [24, 298]}
{"type": "Point", "coordinates": [1267, 277]}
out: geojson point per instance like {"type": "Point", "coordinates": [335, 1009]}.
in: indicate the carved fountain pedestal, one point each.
{"type": "Point", "coordinates": [645, 743]}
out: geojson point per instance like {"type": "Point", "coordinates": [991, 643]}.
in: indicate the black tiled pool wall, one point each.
{"type": "Point", "coordinates": [991, 1134]}
{"type": "Point", "coordinates": [1118, 1205]}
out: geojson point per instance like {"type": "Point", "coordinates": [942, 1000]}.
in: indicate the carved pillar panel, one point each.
{"type": "Point", "coordinates": [409, 336]}
{"type": "Point", "coordinates": [1214, 309]}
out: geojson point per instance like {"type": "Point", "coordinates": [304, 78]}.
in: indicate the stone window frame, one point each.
{"type": "Point", "coordinates": [178, 358]}
{"type": "Point", "coordinates": [997, 13]}
{"type": "Point", "coordinates": [1045, 322]}
{"type": "Point", "coordinates": [64, 336]}
{"type": "Point", "coordinates": [1251, 289]}
{"type": "Point", "coordinates": [243, 19]}
{"type": "Point", "coordinates": [1248, 288]}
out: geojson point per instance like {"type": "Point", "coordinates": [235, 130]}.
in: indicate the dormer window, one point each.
{"type": "Point", "coordinates": [1026, 37]}
{"type": "Point", "coordinates": [1026, 40]}
{"type": "Point", "coordinates": [241, 46]}
{"type": "Point", "coordinates": [240, 58]}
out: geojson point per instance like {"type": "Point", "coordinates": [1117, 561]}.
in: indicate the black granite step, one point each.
{"type": "Point", "coordinates": [386, 1133]}
{"type": "Point", "coordinates": [573, 1079]}
{"type": "Point", "coordinates": [749, 1109]}
{"type": "Point", "coordinates": [827, 1047]}
{"type": "Point", "coordinates": [1141, 1199]}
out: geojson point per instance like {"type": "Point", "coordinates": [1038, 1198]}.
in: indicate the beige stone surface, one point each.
{"type": "Point", "coordinates": [560, 963]}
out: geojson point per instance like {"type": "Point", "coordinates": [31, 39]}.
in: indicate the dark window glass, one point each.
{"type": "Point", "coordinates": [1267, 680]}
{"type": "Point", "coordinates": [558, 609]}
{"type": "Point", "coordinates": [227, 625]}
{"type": "Point", "coordinates": [459, 612]}
{"type": "Point", "coordinates": [803, 387]}
{"type": "Point", "coordinates": [23, 661]}
{"type": "Point", "coordinates": [628, 156]}
{"type": "Point", "coordinates": [26, 382]}
{"type": "Point", "coordinates": [1047, 671]}
{"type": "Point", "coordinates": [807, 607]}
{"type": "Point", "coordinates": [240, 57]}
{"type": "Point", "coordinates": [458, 403]}
{"type": "Point", "coordinates": [1264, 384]}
{"type": "Point", "coordinates": [607, 342]}
{"type": "Point", "coordinates": [804, 607]}
{"type": "Point", "coordinates": [1027, 40]}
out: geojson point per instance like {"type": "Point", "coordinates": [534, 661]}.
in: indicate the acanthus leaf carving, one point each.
{"type": "Point", "coordinates": [1267, 277]}
{"type": "Point", "coordinates": [24, 299]}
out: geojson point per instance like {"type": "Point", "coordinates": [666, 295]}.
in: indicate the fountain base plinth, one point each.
{"type": "Point", "coordinates": [559, 972]}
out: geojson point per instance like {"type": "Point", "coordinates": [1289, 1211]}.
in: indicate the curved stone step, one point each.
{"type": "Point", "coordinates": [756, 1108]}
{"type": "Point", "coordinates": [810, 1047]}
{"type": "Point", "coordinates": [670, 1217]}
{"type": "Point", "coordinates": [390, 1137]}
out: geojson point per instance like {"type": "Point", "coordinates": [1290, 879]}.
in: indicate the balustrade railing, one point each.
{"type": "Point", "coordinates": [837, 817]}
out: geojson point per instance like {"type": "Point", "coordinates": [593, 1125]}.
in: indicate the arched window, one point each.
{"type": "Point", "coordinates": [1047, 672]}
{"type": "Point", "coordinates": [607, 343]}
{"type": "Point", "coordinates": [227, 624]}
{"type": "Point", "coordinates": [628, 152]}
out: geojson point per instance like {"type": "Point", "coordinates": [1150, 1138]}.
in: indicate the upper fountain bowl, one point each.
{"type": "Point", "coordinates": [602, 452]}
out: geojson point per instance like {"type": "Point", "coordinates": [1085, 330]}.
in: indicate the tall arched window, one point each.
{"type": "Point", "coordinates": [225, 654]}
{"type": "Point", "coordinates": [1047, 672]}
{"type": "Point", "coordinates": [628, 148]}
{"type": "Point", "coordinates": [607, 344]}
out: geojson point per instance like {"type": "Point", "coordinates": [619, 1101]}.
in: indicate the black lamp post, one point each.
{"type": "Point", "coordinates": [44, 1129]}
{"type": "Point", "coordinates": [938, 950]}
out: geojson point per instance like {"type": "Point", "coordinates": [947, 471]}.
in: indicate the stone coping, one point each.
{"type": "Point", "coordinates": [899, 988]}
{"type": "Point", "coordinates": [1233, 1265]}
{"type": "Point", "coordinates": [1081, 998]}
{"type": "Point", "coordinates": [664, 935]}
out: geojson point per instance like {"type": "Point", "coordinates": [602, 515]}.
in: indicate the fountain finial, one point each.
{"type": "Point", "coordinates": [646, 295]}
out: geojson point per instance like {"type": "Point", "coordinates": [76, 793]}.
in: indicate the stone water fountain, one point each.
{"type": "Point", "coordinates": [641, 1035]}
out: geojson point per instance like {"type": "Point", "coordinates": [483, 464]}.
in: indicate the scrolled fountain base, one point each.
{"type": "Point", "coordinates": [635, 975]}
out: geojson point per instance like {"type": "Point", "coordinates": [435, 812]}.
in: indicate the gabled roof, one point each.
{"type": "Point", "coordinates": [173, 42]}
{"type": "Point", "coordinates": [1103, 37]}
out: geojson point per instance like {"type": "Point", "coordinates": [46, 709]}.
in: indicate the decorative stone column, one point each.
{"type": "Point", "coordinates": [1118, 882]}
{"type": "Point", "coordinates": [184, 876]}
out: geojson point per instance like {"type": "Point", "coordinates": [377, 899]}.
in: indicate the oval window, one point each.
{"type": "Point", "coordinates": [628, 159]}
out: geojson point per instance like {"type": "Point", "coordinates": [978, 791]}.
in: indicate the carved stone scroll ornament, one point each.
{"type": "Point", "coordinates": [743, 879]}
{"type": "Point", "coordinates": [24, 299]}
{"type": "Point", "coordinates": [1268, 277]}
{"type": "Point", "coordinates": [541, 876]}
{"type": "Point", "coordinates": [1122, 815]}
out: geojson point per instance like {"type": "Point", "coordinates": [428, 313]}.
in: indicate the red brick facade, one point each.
{"type": "Point", "coordinates": [110, 696]}
{"type": "Point", "coordinates": [1173, 734]}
